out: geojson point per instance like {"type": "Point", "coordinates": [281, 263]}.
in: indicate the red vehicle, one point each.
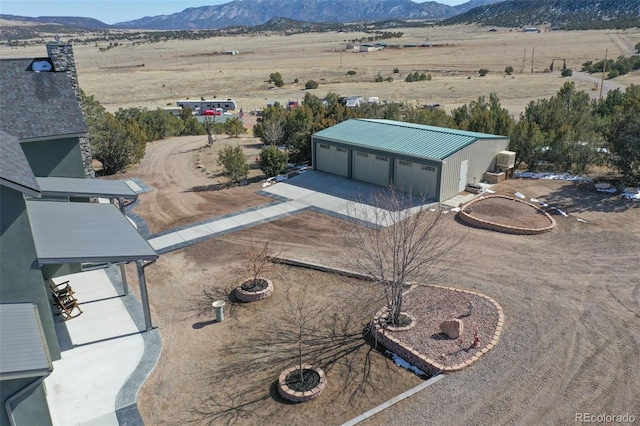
{"type": "Point", "coordinates": [213, 112]}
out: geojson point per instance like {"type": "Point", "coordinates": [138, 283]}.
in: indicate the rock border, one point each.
{"type": "Point", "coordinates": [291, 395]}
{"type": "Point", "coordinates": [385, 336]}
{"type": "Point", "coordinates": [383, 321]}
{"type": "Point", "coordinates": [254, 296]}
{"type": "Point", "coordinates": [495, 226]}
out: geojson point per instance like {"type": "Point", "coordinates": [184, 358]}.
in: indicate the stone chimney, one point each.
{"type": "Point", "coordinates": [61, 54]}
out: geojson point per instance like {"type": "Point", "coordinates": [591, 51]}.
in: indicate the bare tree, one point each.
{"type": "Point", "coordinates": [209, 124]}
{"type": "Point", "coordinates": [257, 260]}
{"type": "Point", "coordinates": [273, 132]}
{"type": "Point", "coordinates": [398, 239]}
{"type": "Point", "coordinates": [302, 313]}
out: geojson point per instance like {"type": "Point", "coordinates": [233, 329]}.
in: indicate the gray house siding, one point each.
{"type": "Point", "coordinates": [481, 156]}
{"type": "Point", "coordinates": [30, 409]}
{"type": "Point", "coordinates": [57, 158]}
{"type": "Point", "coordinates": [20, 276]}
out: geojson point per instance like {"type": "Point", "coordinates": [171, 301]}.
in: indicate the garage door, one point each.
{"type": "Point", "coordinates": [332, 159]}
{"type": "Point", "coordinates": [416, 178]}
{"type": "Point", "coordinates": [370, 168]}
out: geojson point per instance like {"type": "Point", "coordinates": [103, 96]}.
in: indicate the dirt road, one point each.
{"type": "Point", "coordinates": [184, 193]}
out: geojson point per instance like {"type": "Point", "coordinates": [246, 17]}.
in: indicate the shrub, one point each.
{"type": "Point", "coordinates": [409, 78]}
{"type": "Point", "coordinates": [276, 78]}
{"type": "Point", "coordinates": [296, 80]}
{"type": "Point", "coordinates": [233, 162]}
{"type": "Point", "coordinates": [613, 74]}
{"type": "Point", "coordinates": [379, 79]}
{"type": "Point", "coordinates": [273, 161]}
{"type": "Point", "coordinates": [483, 72]}
{"type": "Point", "coordinates": [429, 77]}
{"type": "Point", "coordinates": [396, 70]}
{"type": "Point", "coordinates": [508, 70]}
{"type": "Point", "coordinates": [351, 72]}
{"type": "Point", "coordinates": [568, 72]}
{"type": "Point", "coordinates": [389, 79]}
{"type": "Point", "coordinates": [311, 84]}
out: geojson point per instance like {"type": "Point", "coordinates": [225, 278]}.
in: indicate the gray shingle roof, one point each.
{"type": "Point", "coordinates": [23, 350]}
{"type": "Point", "coordinates": [15, 170]}
{"type": "Point", "coordinates": [403, 138]}
{"type": "Point", "coordinates": [37, 104]}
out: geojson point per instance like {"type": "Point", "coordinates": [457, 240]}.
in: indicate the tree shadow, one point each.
{"type": "Point", "coordinates": [208, 188]}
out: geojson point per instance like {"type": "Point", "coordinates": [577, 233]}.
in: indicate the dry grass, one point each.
{"type": "Point", "coordinates": [180, 69]}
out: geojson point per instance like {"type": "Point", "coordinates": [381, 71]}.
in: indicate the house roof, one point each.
{"type": "Point", "coordinates": [417, 140]}
{"type": "Point", "coordinates": [38, 105]}
{"type": "Point", "coordinates": [83, 187]}
{"type": "Point", "coordinates": [23, 349]}
{"type": "Point", "coordinates": [84, 232]}
{"type": "Point", "coordinates": [15, 171]}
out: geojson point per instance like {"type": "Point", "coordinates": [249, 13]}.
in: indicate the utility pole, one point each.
{"type": "Point", "coordinates": [604, 68]}
{"type": "Point", "coordinates": [533, 51]}
{"type": "Point", "coordinates": [524, 58]}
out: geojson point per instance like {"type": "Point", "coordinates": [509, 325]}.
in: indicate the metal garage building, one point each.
{"type": "Point", "coordinates": [427, 160]}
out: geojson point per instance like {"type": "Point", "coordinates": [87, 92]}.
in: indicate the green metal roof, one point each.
{"type": "Point", "coordinates": [404, 138]}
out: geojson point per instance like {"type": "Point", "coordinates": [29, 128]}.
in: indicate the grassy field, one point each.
{"type": "Point", "coordinates": [156, 75]}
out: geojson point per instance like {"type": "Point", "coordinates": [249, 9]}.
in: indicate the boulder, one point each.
{"type": "Point", "coordinates": [452, 328]}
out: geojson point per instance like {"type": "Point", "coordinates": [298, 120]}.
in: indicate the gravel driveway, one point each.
{"type": "Point", "coordinates": [571, 343]}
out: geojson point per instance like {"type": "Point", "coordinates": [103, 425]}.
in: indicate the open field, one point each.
{"type": "Point", "coordinates": [156, 75]}
{"type": "Point", "coordinates": [571, 340]}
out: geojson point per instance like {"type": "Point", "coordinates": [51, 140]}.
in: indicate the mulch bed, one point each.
{"type": "Point", "coordinates": [508, 212]}
{"type": "Point", "coordinates": [430, 306]}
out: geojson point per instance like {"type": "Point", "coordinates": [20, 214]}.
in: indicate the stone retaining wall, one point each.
{"type": "Point", "coordinates": [383, 335]}
{"type": "Point", "coordinates": [493, 226]}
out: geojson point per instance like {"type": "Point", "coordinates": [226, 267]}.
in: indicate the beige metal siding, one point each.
{"type": "Point", "coordinates": [482, 157]}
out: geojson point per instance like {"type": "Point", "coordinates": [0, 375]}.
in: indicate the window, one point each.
{"type": "Point", "coordinates": [341, 149]}
{"type": "Point", "coordinates": [323, 146]}
{"type": "Point", "coordinates": [429, 168]}
{"type": "Point", "coordinates": [404, 163]}
{"type": "Point", "coordinates": [362, 154]}
{"type": "Point", "coordinates": [381, 158]}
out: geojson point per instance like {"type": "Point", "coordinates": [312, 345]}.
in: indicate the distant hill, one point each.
{"type": "Point", "coordinates": [572, 14]}
{"type": "Point", "coordinates": [66, 21]}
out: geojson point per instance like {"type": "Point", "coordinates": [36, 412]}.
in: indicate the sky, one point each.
{"type": "Point", "coordinates": [112, 11]}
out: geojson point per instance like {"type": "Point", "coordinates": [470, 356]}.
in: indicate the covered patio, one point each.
{"type": "Point", "coordinates": [90, 234]}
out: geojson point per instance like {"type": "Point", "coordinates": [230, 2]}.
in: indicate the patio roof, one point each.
{"type": "Point", "coordinates": [82, 187]}
{"type": "Point", "coordinates": [23, 350]}
{"type": "Point", "coordinates": [84, 232]}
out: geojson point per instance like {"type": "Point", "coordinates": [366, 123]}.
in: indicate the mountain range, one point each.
{"type": "Point", "coordinates": [252, 13]}
{"type": "Point", "coordinates": [256, 12]}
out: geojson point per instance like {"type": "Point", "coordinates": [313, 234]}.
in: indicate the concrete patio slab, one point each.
{"type": "Point", "coordinates": [100, 349]}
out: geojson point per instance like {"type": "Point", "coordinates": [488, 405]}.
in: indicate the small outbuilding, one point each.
{"type": "Point", "coordinates": [436, 162]}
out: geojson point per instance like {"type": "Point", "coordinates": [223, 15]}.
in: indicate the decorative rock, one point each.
{"type": "Point", "coordinates": [452, 328]}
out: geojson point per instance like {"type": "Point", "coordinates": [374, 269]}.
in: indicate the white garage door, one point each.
{"type": "Point", "coordinates": [371, 168]}
{"type": "Point", "coordinates": [417, 178]}
{"type": "Point", "coordinates": [332, 159]}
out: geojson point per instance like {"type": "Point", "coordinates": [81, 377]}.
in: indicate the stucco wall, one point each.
{"type": "Point", "coordinates": [29, 409]}
{"type": "Point", "coordinates": [55, 158]}
{"type": "Point", "coordinates": [20, 275]}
